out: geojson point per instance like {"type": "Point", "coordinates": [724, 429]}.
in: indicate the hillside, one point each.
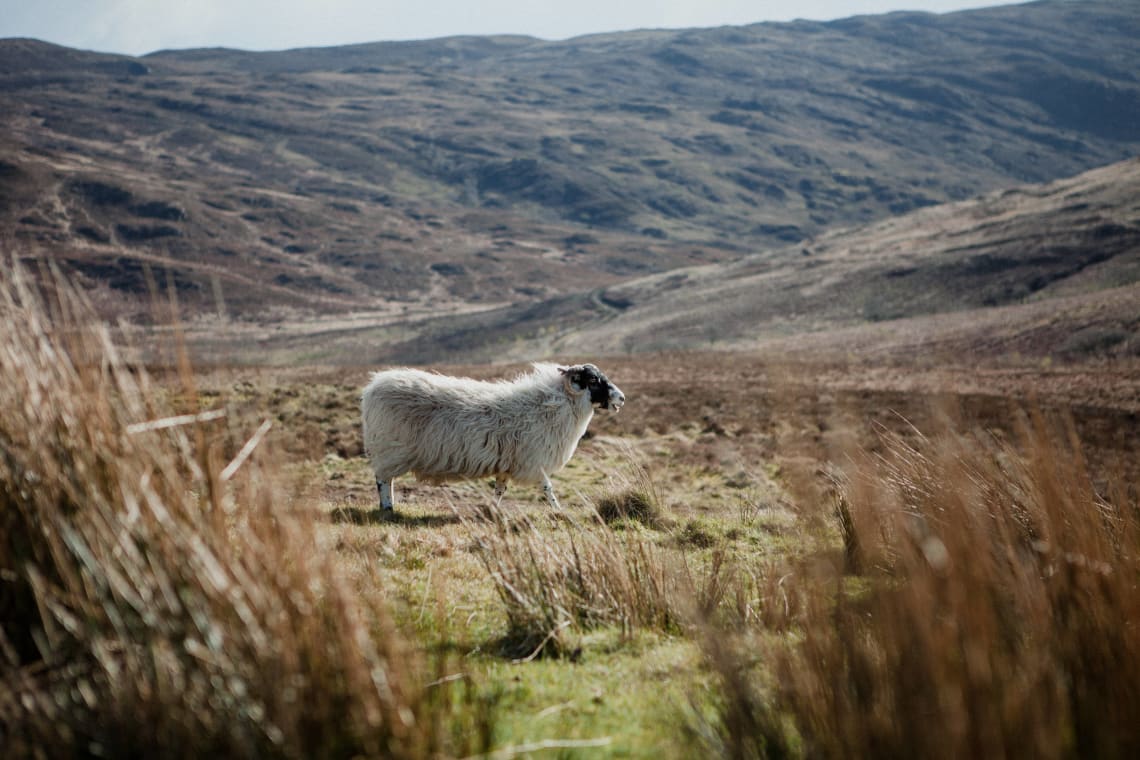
{"type": "Point", "coordinates": [1065, 254]}
{"type": "Point", "coordinates": [399, 181]}
{"type": "Point", "coordinates": [1033, 271]}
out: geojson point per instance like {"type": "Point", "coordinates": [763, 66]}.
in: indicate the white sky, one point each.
{"type": "Point", "coordinates": [142, 26]}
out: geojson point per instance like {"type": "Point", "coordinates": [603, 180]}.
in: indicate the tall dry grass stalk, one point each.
{"type": "Point", "coordinates": [151, 607]}
{"type": "Point", "coordinates": [998, 615]}
{"type": "Point", "coordinates": [571, 576]}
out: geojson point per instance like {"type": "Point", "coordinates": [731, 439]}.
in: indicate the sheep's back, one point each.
{"type": "Point", "coordinates": [436, 426]}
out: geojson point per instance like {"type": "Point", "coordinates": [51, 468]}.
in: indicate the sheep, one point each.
{"type": "Point", "coordinates": [445, 428]}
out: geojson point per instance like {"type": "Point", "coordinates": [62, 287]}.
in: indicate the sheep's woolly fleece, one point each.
{"type": "Point", "coordinates": [442, 428]}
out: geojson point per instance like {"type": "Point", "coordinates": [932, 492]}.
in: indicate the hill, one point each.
{"type": "Point", "coordinates": [1064, 254]}
{"type": "Point", "coordinates": [1034, 271]}
{"type": "Point", "coordinates": [411, 180]}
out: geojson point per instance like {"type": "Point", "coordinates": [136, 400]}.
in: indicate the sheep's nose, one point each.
{"type": "Point", "coordinates": [617, 399]}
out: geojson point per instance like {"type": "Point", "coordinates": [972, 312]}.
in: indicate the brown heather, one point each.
{"type": "Point", "coordinates": [151, 607]}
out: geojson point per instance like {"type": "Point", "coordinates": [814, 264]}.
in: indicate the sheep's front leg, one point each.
{"type": "Point", "coordinates": [548, 492]}
{"type": "Point", "coordinates": [385, 489]}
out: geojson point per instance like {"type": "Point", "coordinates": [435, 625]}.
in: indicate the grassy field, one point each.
{"type": "Point", "coordinates": [754, 559]}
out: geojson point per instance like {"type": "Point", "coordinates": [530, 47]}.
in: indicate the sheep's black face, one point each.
{"type": "Point", "coordinates": [603, 393]}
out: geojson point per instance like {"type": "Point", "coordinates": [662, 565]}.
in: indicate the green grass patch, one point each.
{"type": "Point", "coordinates": [630, 692]}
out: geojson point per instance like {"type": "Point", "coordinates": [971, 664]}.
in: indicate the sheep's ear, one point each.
{"type": "Point", "coordinates": [570, 381]}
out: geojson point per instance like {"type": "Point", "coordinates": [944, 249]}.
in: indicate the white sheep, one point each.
{"type": "Point", "coordinates": [445, 428]}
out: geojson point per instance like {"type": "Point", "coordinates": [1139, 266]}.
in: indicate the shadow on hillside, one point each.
{"type": "Point", "coordinates": [357, 516]}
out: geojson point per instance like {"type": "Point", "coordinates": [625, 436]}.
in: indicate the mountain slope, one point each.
{"type": "Point", "coordinates": [1038, 270]}
{"type": "Point", "coordinates": [1029, 244]}
{"type": "Point", "coordinates": [465, 173]}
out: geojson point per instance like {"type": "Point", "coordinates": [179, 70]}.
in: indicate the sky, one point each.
{"type": "Point", "coordinates": [136, 27]}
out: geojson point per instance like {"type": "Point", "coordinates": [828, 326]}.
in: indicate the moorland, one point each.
{"type": "Point", "coordinates": [870, 287]}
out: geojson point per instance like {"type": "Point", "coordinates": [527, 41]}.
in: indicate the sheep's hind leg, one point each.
{"type": "Point", "coordinates": [385, 489]}
{"type": "Point", "coordinates": [548, 492]}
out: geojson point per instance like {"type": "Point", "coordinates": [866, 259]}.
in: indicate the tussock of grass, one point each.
{"type": "Point", "coordinates": [630, 505]}
{"type": "Point", "coordinates": [697, 534]}
{"type": "Point", "coordinates": [555, 580]}
{"type": "Point", "coordinates": [150, 606]}
{"type": "Point", "coordinates": [632, 495]}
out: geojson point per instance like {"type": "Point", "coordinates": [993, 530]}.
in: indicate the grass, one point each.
{"type": "Point", "coordinates": [632, 494]}
{"type": "Point", "coordinates": [747, 589]}
{"type": "Point", "coordinates": [996, 612]}
{"type": "Point", "coordinates": [156, 601]}
{"type": "Point", "coordinates": [621, 689]}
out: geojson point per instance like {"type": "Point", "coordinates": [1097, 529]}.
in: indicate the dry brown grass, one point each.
{"type": "Point", "coordinates": [997, 614]}
{"type": "Point", "coordinates": [154, 602]}
{"type": "Point", "coordinates": [558, 574]}
{"type": "Point", "coordinates": [570, 575]}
